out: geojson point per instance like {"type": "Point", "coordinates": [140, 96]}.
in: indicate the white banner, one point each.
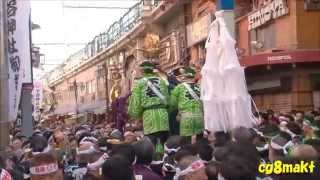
{"type": "Point", "coordinates": [18, 18]}
{"type": "Point", "coordinates": [37, 96]}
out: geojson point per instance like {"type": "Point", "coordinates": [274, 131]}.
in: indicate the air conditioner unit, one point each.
{"type": "Point", "coordinates": [312, 5]}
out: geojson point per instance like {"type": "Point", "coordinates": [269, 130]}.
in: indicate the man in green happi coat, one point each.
{"type": "Point", "coordinates": [149, 101]}
{"type": "Point", "coordinates": [186, 98]}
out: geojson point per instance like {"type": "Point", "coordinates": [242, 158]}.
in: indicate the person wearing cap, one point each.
{"type": "Point", "coordinates": [149, 101]}
{"type": "Point", "coordinates": [186, 99]}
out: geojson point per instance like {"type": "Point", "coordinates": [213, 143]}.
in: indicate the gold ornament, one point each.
{"type": "Point", "coordinates": [151, 45]}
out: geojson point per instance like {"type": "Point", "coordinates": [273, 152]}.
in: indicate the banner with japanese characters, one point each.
{"type": "Point", "coordinates": [37, 95]}
{"type": "Point", "coordinates": [19, 59]}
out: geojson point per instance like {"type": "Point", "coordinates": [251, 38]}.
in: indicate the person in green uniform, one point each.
{"type": "Point", "coordinates": [149, 101]}
{"type": "Point", "coordinates": [186, 99]}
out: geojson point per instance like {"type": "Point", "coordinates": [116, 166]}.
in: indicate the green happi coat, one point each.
{"type": "Point", "coordinates": [145, 104]}
{"type": "Point", "coordinates": [190, 109]}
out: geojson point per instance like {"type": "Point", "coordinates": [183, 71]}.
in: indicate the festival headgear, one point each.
{"type": "Point", "coordinates": [44, 169]}
{"type": "Point", "coordinates": [195, 166]}
{"type": "Point", "coordinates": [116, 134]}
{"type": "Point", "coordinates": [147, 65]}
{"type": "Point", "coordinates": [167, 167]}
{"type": "Point", "coordinates": [90, 150]}
{"type": "Point", "coordinates": [45, 150]}
{"type": "Point", "coordinates": [97, 164]}
{"type": "Point", "coordinates": [90, 139]}
{"type": "Point", "coordinates": [189, 72]}
{"type": "Point", "coordinates": [262, 148]}
{"type": "Point", "coordinates": [172, 150]}
{"type": "Point", "coordinates": [269, 131]}
{"type": "Point", "coordinates": [309, 124]}
{"type": "Point", "coordinates": [287, 130]}
{"type": "Point", "coordinates": [103, 145]}
{"type": "Point", "coordinates": [284, 148]}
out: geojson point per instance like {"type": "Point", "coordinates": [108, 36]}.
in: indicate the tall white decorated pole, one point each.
{"type": "Point", "coordinates": [226, 101]}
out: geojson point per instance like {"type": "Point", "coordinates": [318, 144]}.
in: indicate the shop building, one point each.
{"type": "Point", "coordinates": [279, 45]}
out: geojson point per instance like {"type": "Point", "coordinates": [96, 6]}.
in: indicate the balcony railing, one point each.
{"type": "Point", "coordinates": [115, 31]}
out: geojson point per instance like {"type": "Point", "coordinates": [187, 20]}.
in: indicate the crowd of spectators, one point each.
{"type": "Point", "coordinates": [100, 151]}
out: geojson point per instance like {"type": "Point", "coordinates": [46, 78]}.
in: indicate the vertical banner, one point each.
{"type": "Point", "coordinates": [18, 29]}
{"type": "Point", "coordinates": [37, 95]}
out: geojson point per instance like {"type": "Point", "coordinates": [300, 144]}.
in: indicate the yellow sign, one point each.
{"type": "Point", "coordinates": [278, 167]}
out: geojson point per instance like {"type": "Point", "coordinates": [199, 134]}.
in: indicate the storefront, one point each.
{"type": "Point", "coordinates": [284, 81]}
{"type": "Point", "coordinates": [197, 33]}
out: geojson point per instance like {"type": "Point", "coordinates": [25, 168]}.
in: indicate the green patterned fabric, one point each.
{"type": "Point", "coordinates": [190, 109]}
{"type": "Point", "coordinates": [145, 104]}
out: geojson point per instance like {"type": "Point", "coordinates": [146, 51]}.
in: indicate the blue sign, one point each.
{"type": "Point", "coordinates": [225, 4]}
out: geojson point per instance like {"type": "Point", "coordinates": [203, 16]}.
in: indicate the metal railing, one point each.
{"type": "Point", "coordinates": [114, 32]}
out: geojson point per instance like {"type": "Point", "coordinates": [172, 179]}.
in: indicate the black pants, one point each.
{"type": "Point", "coordinates": [162, 136]}
{"type": "Point", "coordinates": [174, 125]}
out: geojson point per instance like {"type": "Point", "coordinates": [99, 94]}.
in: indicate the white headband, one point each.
{"type": "Point", "coordinates": [80, 132]}
{"type": "Point", "coordinates": [165, 165]}
{"type": "Point", "coordinates": [283, 148]}
{"type": "Point", "coordinates": [87, 151]}
{"type": "Point", "coordinates": [195, 166]}
{"type": "Point", "coordinates": [286, 130]}
{"type": "Point", "coordinates": [98, 163]}
{"type": "Point", "coordinates": [44, 169]}
{"type": "Point", "coordinates": [260, 149]}
{"type": "Point", "coordinates": [88, 139]}
{"type": "Point", "coordinates": [258, 132]}
{"type": "Point", "coordinates": [173, 150]}
{"type": "Point", "coordinates": [46, 150]}
{"type": "Point", "coordinates": [103, 148]}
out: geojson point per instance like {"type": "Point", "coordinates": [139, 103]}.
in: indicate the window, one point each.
{"type": "Point", "coordinates": [93, 86]}
{"type": "Point", "coordinates": [87, 87]}
{"type": "Point", "coordinates": [71, 88]}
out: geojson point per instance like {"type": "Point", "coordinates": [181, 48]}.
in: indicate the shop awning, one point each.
{"type": "Point", "coordinates": [284, 57]}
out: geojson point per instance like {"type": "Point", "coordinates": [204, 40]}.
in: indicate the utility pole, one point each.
{"type": "Point", "coordinates": [4, 91]}
{"type": "Point", "coordinates": [76, 97]}
{"type": "Point", "coordinates": [107, 91]}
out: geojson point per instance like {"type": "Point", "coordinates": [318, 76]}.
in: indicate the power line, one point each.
{"type": "Point", "coordinates": [59, 44]}
{"type": "Point", "coordinates": [85, 0]}
{"type": "Point", "coordinates": [94, 7]}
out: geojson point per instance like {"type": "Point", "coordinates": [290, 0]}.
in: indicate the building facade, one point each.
{"type": "Point", "coordinates": [89, 80]}
{"type": "Point", "coordinates": [279, 44]}
{"type": "Point", "coordinates": [275, 42]}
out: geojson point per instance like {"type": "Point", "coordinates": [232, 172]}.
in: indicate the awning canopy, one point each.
{"type": "Point", "coordinates": [284, 57]}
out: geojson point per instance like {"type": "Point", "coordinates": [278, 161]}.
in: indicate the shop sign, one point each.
{"type": "Point", "coordinates": [273, 10]}
{"type": "Point", "coordinates": [280, 58]}
{"type": "Point", "coordinates": [37, 96]}
{"type": "Point", "coordinates": [312, 5]}
{"type": "Point", "coordinates": [198, 31]}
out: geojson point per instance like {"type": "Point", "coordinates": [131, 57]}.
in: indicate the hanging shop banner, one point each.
{"type": "Point", "coordinates": [18, 26]}
{"type": "Point", "coordinates": [37, 95]}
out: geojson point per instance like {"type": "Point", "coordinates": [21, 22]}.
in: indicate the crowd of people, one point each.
{"type": "Point", "coordinates": [165, 139]}
{"type": "Point", "coordinates": [101, 151]}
